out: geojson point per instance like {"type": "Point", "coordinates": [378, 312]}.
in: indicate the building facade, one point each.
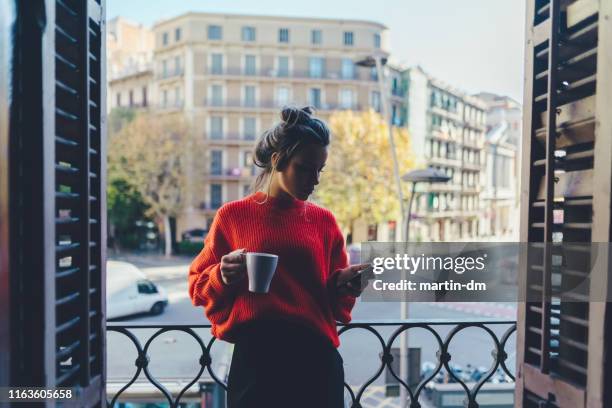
{"type": "Point", "coordinates": [231, 74]}
{"type": "Point", "coordinates": [447, 129]}
{"type": "Point", "coordinates": [501, 183]}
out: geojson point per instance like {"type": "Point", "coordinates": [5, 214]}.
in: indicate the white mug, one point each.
{"type": "Point", "coordinates": [260, 270]}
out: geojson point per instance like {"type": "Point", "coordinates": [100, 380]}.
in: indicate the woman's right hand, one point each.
{"type": "Point", "coordinates": [233, 266]}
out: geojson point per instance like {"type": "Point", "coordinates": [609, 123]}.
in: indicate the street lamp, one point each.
{"type": "Point", "coordinates": [378, 61]}
{"type": "Point", "coordinates": [428, 175]}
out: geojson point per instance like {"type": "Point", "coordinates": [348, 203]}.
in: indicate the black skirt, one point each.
{"type": "Point", "coordinates": [281, 364]}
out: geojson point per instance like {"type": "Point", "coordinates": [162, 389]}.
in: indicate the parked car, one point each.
{"type": "Point", "coordinates": [128, 292]}
{"type": "Point", "coordinates": [196, 235]}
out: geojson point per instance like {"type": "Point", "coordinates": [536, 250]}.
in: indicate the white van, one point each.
{"type": "Point", "coordinates": [128, 291]}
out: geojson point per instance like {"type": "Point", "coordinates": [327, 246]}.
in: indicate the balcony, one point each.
{"type": "Point", "coordinates": [170, 74]}
{"type": "Point", "coordinates": [232, 173]}
{"type": "Point", "coordinates": [295, 74]}
{"type": "Point", "coordinates": [382, 337]}
{"type": "Point", "coordinates": [241, 105]}
{"type": "Point", "coordinates": [230, 139]}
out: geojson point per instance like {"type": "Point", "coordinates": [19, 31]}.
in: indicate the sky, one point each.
{"type": "Point", "coordinates": [473, 45]}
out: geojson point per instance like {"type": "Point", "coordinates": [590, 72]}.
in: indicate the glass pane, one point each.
{"type": "Point", "coordinates": [348, 68]}
{"type": "Point", "coordinates": [217, 63]}
{"type": "Point", "coordinates": [214, 32]}
{"type": "Point", "coordinates": [217, 95]}
{"type": "Point", "coordinates": [315, 97]}
{"type": "Point", "coordinates": [216, 162]}
{"type": "Point", "coordinates": [249, 96]}
{"type": "Point", "coordinates": [250, 65]}
{"type": "Point", "coordinates": [216, 127]}
{"type": "Point", "coordinates": [316, 67]}
{"type": "Point", "coordinates": [250, 128]}
{"type": "Point", "coordinates": [283, 66]}
{"type": "Point", "coordinates": [282, 96]}
{"type": "Point", "coordinates": [216, 195]}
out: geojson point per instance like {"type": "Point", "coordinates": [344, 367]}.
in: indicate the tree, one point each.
{"type": "Point", "coordinates": [358, 182]}
{"type": "Point", "coordinates": [125, 205]}
{"type": "Point", "coordinates": [151, 152]}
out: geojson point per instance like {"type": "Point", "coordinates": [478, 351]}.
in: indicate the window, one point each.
{"type": "Point", "coordinates": [248, 33]}
{"type": "Point", "coordinates": [348, 38]}
{"type": "Point", "coordinates": [164, 68]}
{"type": "Point", "coordinates": [216, 127]}
{"type": "Point", "coordinates": [249, 128]}
{"type": "Point", "coordinates": [165, 97]}
{"type": "Point", "coordinates": [395, 115]}
{"type": "Point", "coordinates": [177, 96]}
{"type": "Point", "coordinates": [246, 159]}
{"type": "Point", "coordinates": [346, 98]}
{"type": "Point", "coordinates": [250, 65]}
{"type": "Point", "coordinates": [314, 97]}
{"type": "Point", "coordinates": [316, 37]}
{"type": "Point", "coordinates": [216, 195]}
{"type": "Point", "coordinates": [282, 96]}
{"type": "Point", "coordinates": [118, 99]}
{"type": "Point", "coordinates": [317, 66]}
{"type": "Point", "coordinates": [249, 96]}
{"type": "Point", "coordinates": [131, 98]}
{"type": "Point", "coordinates": [348, 68]}
{"type": "Point", "coordinates": [283, 35]}
{"type": "Point", "coordinates": [373, 74]}
{"type": "Point", "coordinates": [283, 66]}
{"type": "Point", "coordinates": [177, 34]}
{"type": "Point", "coordinates": [216, 64]}
{"type": "Point", "coordinates": [177, 65]}
{"type": "Point", "coordinates": [215, 32]}
{"type": "Point", "coordinates": [246, 190]}
{"type": "Point", "coordinates": [146, 287]}
{"type": "Point", "coordinates": [216, 162]}
{"type": "Point", "coordinates": [375, 101]}
{"type": "Point", "coordinates": [216, 95]}
{"type": "Point", "coordinates": [165, 39]}
{"type": "Point", "coordinates": [376, 40]}
{"type": "Point", "coordinates": [144, 96]}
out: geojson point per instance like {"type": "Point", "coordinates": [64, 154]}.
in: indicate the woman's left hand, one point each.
{"type": "Point", "coordinates": [347, 286]}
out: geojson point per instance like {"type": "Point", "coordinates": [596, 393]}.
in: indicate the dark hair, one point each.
{"type": "Point", "coordinates": [298, 127]}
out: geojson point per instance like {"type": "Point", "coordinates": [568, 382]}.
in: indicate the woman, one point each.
{"type": "Point", "coordinates": [285, 352]}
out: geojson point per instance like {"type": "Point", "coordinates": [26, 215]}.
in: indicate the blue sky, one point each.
{"type": "Point", "coordinates": [474, 45]}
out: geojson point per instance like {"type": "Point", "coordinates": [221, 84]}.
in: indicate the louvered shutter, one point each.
{"type": "Point", "coordinates": [566, 167]}
{"type": "Point", "coordinates": [79, 197]}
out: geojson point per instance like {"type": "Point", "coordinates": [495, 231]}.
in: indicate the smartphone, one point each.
{"type": "Point", "coordinates": [367, 273]}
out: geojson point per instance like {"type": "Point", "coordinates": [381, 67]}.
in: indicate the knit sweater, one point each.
{"type": "Point", "coordinates": [310, 249]}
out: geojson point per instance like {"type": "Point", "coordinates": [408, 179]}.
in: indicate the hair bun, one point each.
{"type": "Point", "coordinates": [292, 115]}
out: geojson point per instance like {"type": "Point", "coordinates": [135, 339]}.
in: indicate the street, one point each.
{"type": "Point", "coordinates": [175, 354]}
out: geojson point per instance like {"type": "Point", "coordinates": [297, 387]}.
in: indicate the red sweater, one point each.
{"type": "Point", "coordinates": [310, 249]}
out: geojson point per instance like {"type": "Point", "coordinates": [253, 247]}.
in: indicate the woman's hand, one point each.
{"type": "Point", "coordinates": [346, 286]}
{"type": "Point", "coordinates": [233, 267]}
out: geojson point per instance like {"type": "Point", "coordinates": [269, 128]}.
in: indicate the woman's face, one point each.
{"type": "Point", "coordinates": [303, 171]}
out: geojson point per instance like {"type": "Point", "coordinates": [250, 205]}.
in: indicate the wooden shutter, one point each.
{"type": "Point", "coordinates": [567, 167]}
{"type": "Point", "coordinates": [79, 197]}
{"type": "Point", "coordinates": [56, 201]}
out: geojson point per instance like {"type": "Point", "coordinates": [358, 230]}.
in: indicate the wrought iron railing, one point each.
{"type": "Point", "coordinates": [499, 355]}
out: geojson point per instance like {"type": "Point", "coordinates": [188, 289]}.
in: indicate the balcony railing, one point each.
{"type": "Point", "coordinates": [499, 354]}
{"type": "Point", "coordinates": [171, 73]}
{"type": "Point", "coordinates": [231, 138]}
{"type": "Point", "coordinates": [231, 173]}
{"type": "Point", "coordinates": [272, 104]}
{"type": "Point", "coordinates": [292, 74]}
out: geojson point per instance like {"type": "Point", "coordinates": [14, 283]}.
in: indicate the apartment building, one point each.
{"type": "Point", "coordinates": [230, 74]}
{"type": "Point", "coordinates": [501, 183]}
{"type": "Point", "coordinates": [447, 129]}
